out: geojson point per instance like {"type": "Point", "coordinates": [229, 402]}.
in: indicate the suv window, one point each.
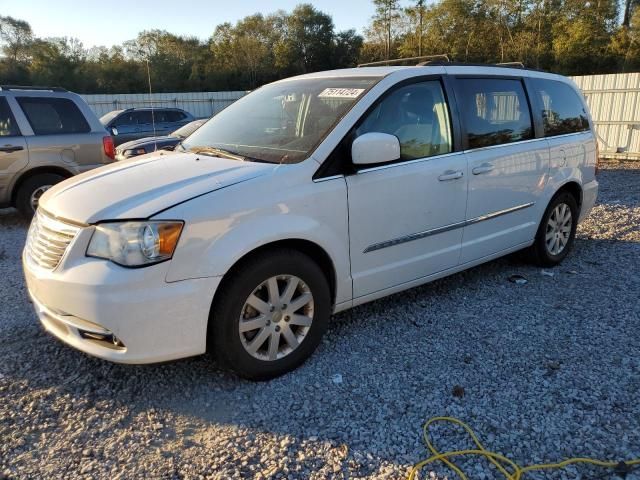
{"type": "Point", "coordinates": [162, 116]}
{"type": "Point", "coordinates": [418, 115]}
{"type": "Point", "coordinates": [495, 111]}
{"type": "Point", "coordinates": [124, 119]}
{"type": "Point", "coordinates": [562, 109]}
{"type": "Point", "coordinates": [175, 116]}
{"type": "Point", "coordinates": [141, 117]}
{"type": "Point", "coordinates": [8, 126]}
{"type": "Point", "coordinates": [51, 116]}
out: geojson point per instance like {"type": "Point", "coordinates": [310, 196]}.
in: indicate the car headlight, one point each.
{"type": "Point", "coordinates": [135, 244]}
{"type": "Point", "coordinates": [134, 151]}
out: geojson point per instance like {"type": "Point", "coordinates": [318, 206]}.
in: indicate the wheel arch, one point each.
{"type": "Point", "coordinates": [574, 189]}
{"type": "Point", "coordinates": [33, 172]}
{"type": "Point", "coordinates": [309, 248]}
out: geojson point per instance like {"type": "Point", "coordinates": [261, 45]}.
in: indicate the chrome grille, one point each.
{"type": "Point", "coordinates": [48, 240]}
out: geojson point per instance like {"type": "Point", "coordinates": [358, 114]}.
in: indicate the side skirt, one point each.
{"type": "Point", "coordinates": [429, 278]}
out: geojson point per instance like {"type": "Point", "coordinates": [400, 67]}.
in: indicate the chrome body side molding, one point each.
{"type": "Point", "coordinates": [446, 228]}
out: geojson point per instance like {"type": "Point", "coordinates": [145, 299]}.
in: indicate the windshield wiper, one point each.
{"type": "Point", "coordinates": [217, 152]}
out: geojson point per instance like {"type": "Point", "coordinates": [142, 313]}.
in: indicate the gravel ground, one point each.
{"type": "Point", "coordinates": [546, 370]}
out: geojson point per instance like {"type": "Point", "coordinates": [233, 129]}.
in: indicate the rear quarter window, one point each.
{"type": "Point", "coordinates": [562, 109]}
{"type": "Point", "coordinates": [53, 116]}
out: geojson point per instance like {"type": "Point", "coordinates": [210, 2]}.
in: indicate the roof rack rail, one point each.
{"type": "Point", "coordinates": [511, 64]}
{"type": "Point", "coordinates": [422, 60]}
{"type": "Point", "coordinates": [27, 87]}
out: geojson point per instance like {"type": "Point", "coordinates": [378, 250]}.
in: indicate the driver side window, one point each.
{"type": "Point", "coordinates": [417, 115]}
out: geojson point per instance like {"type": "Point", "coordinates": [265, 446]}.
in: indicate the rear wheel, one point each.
{"type": "Point", "coordinates": [556, 233]}
{"type": "Point", "coordinates": [32, 189]}
{"type": "Point", "coordinates": [270, 314]}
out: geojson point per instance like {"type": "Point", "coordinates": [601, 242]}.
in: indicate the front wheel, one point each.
{"type": "Point", "coordinates": [557, 231]}
{"type": "Point", "coordinates": [270, 314]}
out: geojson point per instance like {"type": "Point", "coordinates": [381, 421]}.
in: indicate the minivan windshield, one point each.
{"type": "Point", "coordinates": [281, 122]}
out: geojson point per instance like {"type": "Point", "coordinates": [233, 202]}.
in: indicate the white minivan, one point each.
{"type": "Point", "coordinates": [306, 197]}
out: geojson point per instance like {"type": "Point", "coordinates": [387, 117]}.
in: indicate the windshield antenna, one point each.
{"type": "Point", "coordinates": [153, 119]}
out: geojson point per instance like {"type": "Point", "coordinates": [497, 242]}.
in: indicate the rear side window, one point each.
{"type": "Point", "coordinates": [563, 111]}
{"type": "Point", "coordinates": [162, 116]}
{"type": "Point", "coordinates": [51, 116]}
{"type": "Point", "coordinates": [142, 117]}
{"type": "Point", "coordinates": [494, 111]}
{"type": "Point", "coordinates": [8, 126]}
{"type": "Point", "coordinates": [418, 115]}
{"type": "Point", "coordinates": [175, 116]}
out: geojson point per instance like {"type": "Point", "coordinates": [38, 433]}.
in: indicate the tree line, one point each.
{"type": "Point", "coordinates": [566, 36]}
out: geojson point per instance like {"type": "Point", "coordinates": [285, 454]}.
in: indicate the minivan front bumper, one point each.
{"type": "Point", "coordinates": [122, 315]}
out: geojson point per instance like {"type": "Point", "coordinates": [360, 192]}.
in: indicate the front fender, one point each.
{"type": "Point", "coordinates": [213, 242]}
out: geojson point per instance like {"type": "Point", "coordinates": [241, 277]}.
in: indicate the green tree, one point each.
{"type": "Point", "coordinates": [307, 41]}
{"type": "Point", "coordinates": [15, 37]}
{"type": "Point", "coordinates": [387, 14]}
{"type": "Point", "coordinates": [347, 48]}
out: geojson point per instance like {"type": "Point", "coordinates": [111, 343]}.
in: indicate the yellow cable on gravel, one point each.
{"type": "Point", "coordinates": [508, 468]}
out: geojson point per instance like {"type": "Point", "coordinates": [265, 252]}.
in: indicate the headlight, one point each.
{"type": "Point", "coordinates": [135, 151]}
{"type": "Point", "coordinates": [135, 244]}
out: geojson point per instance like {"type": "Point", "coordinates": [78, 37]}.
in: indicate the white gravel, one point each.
{"type": "Point", "coordinates": [548, 369]}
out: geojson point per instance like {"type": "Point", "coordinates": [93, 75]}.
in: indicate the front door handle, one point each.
{"type": "Point", "coordinates": [11, 148]}
{"type": "Point", "coordinates": [484, 168]}
{"type": "Point", "coordinates": [450, 175]}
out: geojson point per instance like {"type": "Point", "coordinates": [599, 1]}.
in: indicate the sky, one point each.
{"type": "Point", "coordinates": [111, 22]}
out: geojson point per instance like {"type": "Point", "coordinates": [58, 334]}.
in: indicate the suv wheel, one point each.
{"type": "Point", "coordinates": [270, 315]}
{"type": "Point", "coordinates": [32, 189]}
{"type": "Point", "coordinates": [557, 231]}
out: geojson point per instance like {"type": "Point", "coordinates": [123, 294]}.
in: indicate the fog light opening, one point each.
{"type": "Point", "coordinates": [108, 340]}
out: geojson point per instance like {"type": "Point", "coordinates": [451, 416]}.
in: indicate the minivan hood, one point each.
{"type": "Point", "coordinates": [144, 185]}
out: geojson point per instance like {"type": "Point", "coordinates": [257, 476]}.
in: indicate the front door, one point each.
{"type": "Point", "coordinates": [405, 218]}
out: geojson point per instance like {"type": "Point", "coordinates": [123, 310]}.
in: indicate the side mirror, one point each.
{"type": "Point", "coordinates": [114, 131]}
{"type": "Point", "coordinates": [375, 147]}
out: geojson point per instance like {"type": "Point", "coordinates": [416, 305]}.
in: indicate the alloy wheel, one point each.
{"type": "Point", "coordinates": [558, 229]}
{"type": "Point", "coordinates": [276, 317]}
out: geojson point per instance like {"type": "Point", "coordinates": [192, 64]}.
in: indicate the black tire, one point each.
{"type": "Point", "coordinates": [224, 337]}
{"type": "Point", "coordinates": [539, 252]}
{"type": "Point", "coordinates": [23, 196]}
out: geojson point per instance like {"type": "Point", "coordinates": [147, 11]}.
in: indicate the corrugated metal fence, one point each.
{"type": "Point", "coordinates": [199, 104]}
{"type": "Point", "coordinates": [614, 101]}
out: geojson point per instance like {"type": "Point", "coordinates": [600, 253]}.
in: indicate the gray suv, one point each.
{"type": "Point", "coordinates": [46, 135]}
{"type": "Point", "coordinates": [135, 123]}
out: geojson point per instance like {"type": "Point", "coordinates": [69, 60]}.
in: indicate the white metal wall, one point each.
{"type": "Point", "coordinates": [614, 101]}
{"type": "Point", "coordinates": [199, 104]}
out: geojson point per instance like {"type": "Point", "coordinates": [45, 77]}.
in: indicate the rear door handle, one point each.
{"type": "Point", "coordinates": [484, 168]}
{"type": "Point", "coordinates": [450, 175]}
{"type": "Point", "coordinates": [11, 148]}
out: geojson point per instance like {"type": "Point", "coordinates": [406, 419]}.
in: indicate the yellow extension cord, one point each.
{"type": "Point", "coordinates": [502, 463]}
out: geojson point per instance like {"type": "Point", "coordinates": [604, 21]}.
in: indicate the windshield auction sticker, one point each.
{"type": "Point", "coordinates": [340, 92]}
